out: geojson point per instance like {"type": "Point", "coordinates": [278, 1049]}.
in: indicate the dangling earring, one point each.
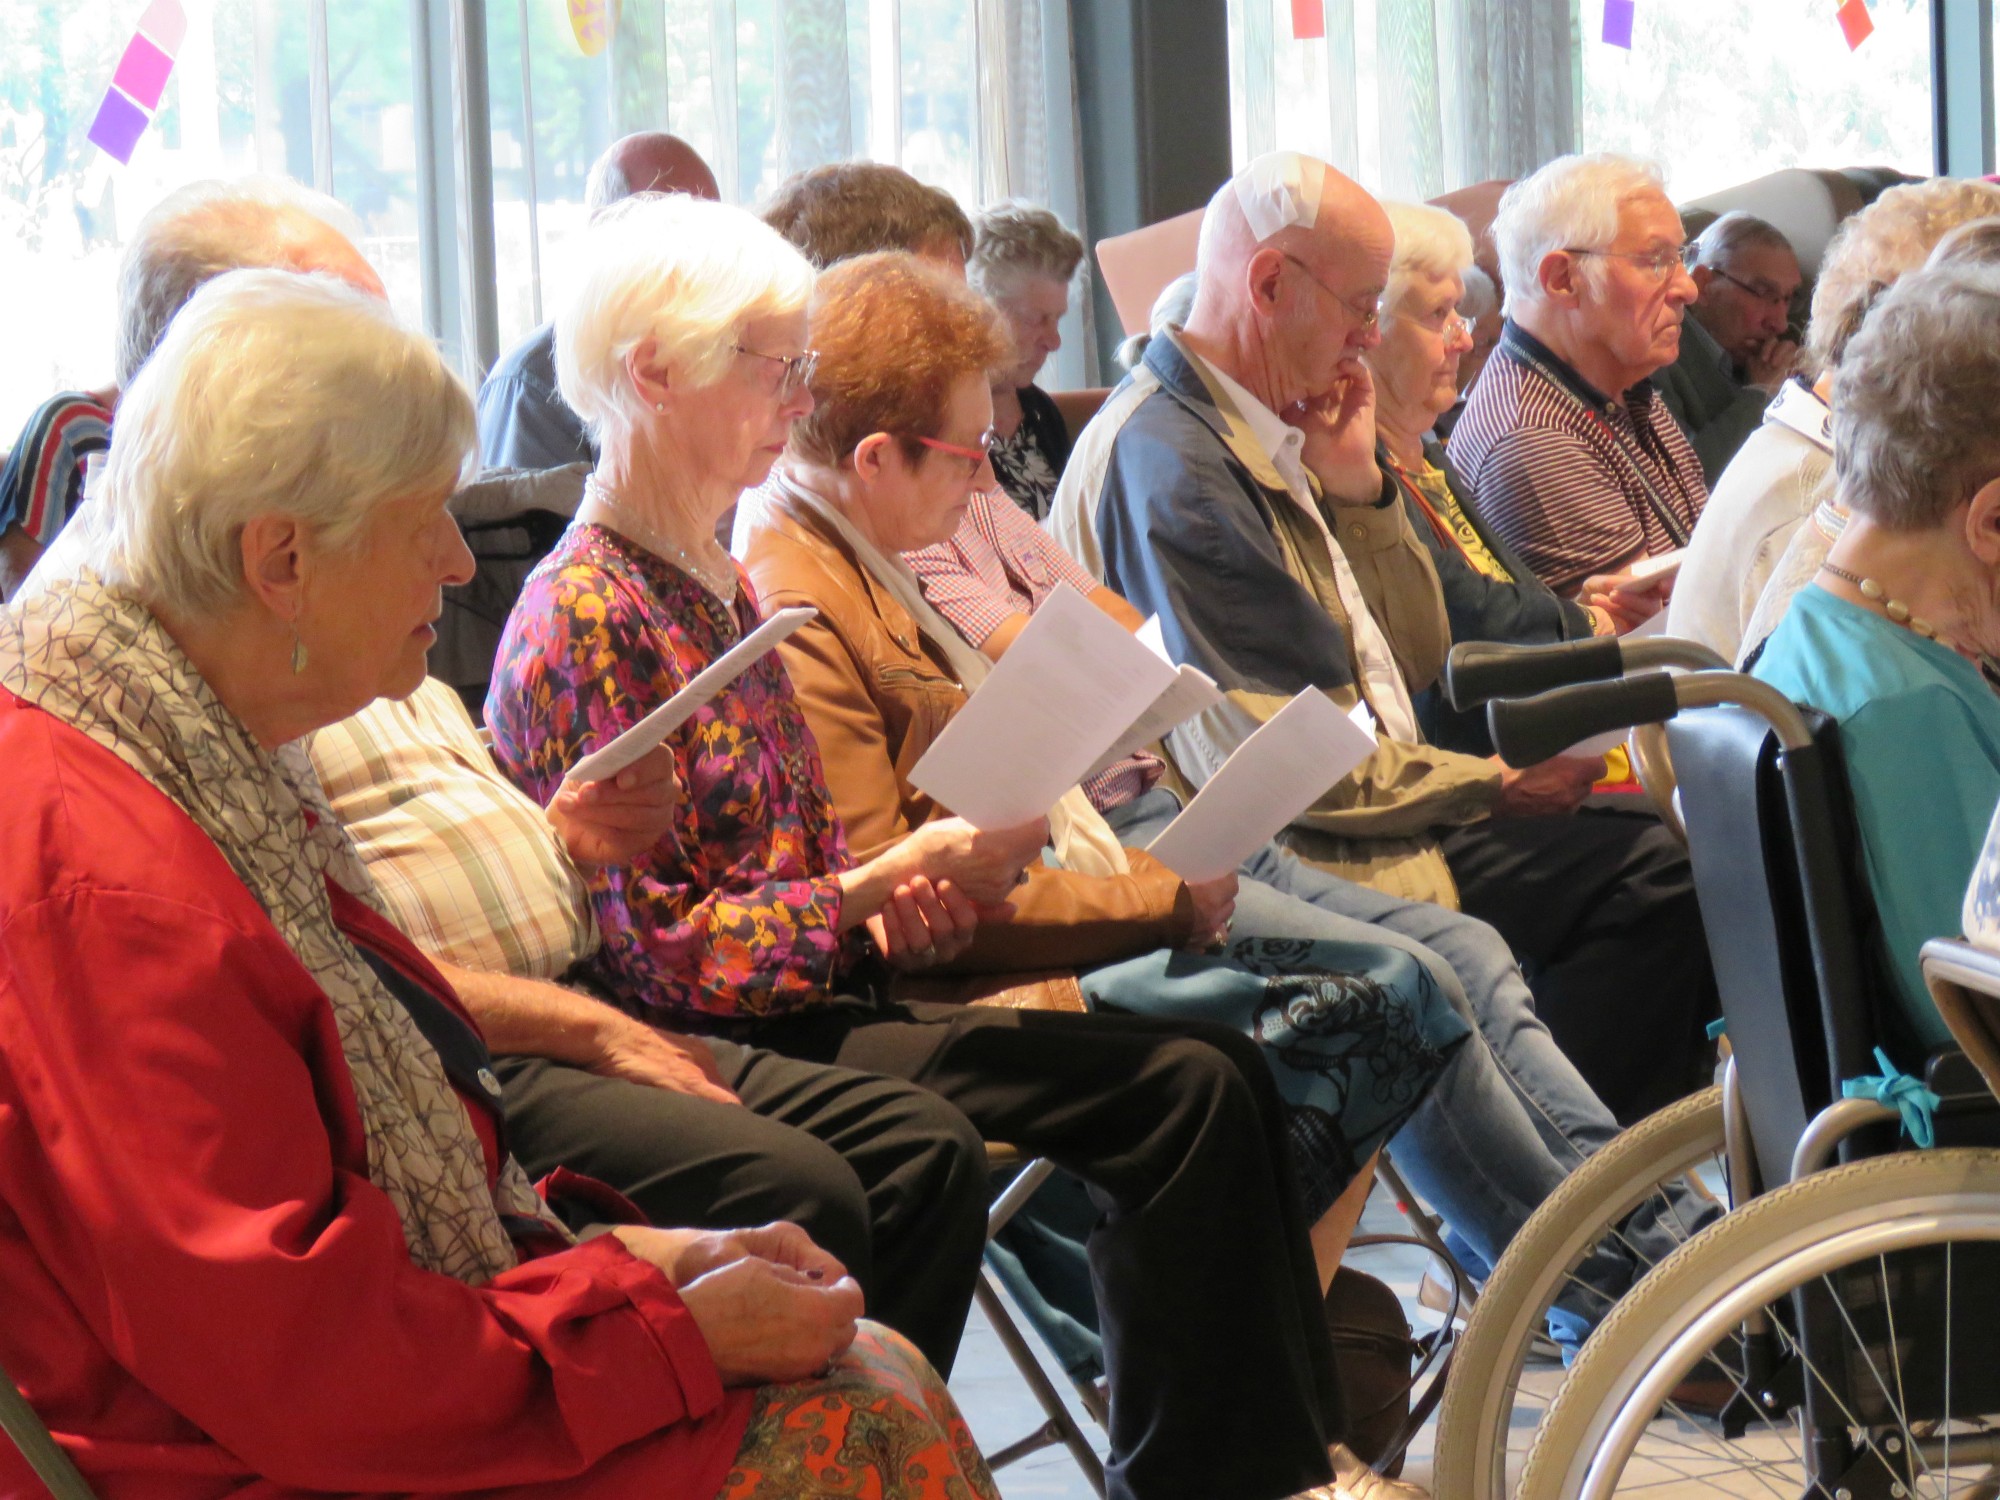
{"type": "Point", "coordinates": [298, 651]}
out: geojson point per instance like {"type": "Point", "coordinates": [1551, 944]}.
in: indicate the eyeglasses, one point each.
{"type": "Point", "coordinates": [1765, 293]}
{"type": "Point", "coordinates": [1448, 323]}
{"type": "Point", "coordinates": [1658, 265]}
{"type": "Point", "coordinates": [799, 368]}
{"type": "Point", "coordinates": [973, 456]}
{"type": "Point", "coordinates": [1366, 316]}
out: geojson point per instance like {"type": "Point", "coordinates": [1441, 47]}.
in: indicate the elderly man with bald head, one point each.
{"type": "Point", "coordinates": [1230, 486]}
{"type": "Point", "coordinates": [524, 423]}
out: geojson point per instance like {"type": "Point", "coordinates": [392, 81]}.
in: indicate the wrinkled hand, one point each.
{"type": "Point", "coordinates": [771, 1305]}
{"type": "Point", "coordinates": [923, 925]}
{"type": "Point", "coordinates": [1340, 435]}
{"type": "Point", "coordinates": [1214, 905]}
{"type": "Point", "coordinates": [1554, 786]}
{"type": "Point", "coordinates": [1770, 363]}
{"type": "Point", "coordinates": [983, 864]}
{"type": "Point", "coordinates": [638, 1053]}
{"type": "Point", "coordinates": [1627, 601]}
{"type": "Point", "coordinates": [613, 822]}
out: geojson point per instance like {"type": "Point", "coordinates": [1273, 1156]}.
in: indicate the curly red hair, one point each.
{"type": "Point", "coordinates": [894, 334]}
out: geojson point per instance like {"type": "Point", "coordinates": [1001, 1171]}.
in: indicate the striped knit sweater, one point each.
{"type": "Point", "coordinates": [1575, 482]}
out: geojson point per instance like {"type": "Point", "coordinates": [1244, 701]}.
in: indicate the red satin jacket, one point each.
{"type": "Point", "coordinates": [204, 1294]}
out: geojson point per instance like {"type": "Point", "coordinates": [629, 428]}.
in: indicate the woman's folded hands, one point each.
{"type": "Point", "coordinates": [924, 897]}
{"type": "Point", "coordinates": [771, 1305]}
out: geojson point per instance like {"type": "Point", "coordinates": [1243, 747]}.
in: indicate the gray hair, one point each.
{"type": "Point", "coordinates": [1913, 430]}
{"type": "Point", "coordinates": [1170, 310]}
{"type": "Point", "coordinates": [272, 391]}
{"type": "Point", "coordinates": [1481, 295]}
{"type": "Point", "coordinates": [199, 232]}
{"type": "Point", "coordinates": [1572, 203]}
{"type": "Point", "coordinates": [1429, 242]}
{"type": "Point", "coordinates": [1012, 238]}
{"type": "Point", "coordinates": [1728, 237]}
{"type": "Point", "coordinates": [1873, 248]}
{"type": "Point", "coordinates": [1974, 244]}
{"type": "Point", "coordinates": [686, 274]}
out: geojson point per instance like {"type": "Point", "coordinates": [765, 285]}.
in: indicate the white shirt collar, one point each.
{"type": "Point", "coordinates": [1280, 439]}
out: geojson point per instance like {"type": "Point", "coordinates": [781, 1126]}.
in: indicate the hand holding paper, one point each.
{"type": "Point", "coordinates": [609, 760]}
{"type": "Point", "coordinates": [1275, 775]}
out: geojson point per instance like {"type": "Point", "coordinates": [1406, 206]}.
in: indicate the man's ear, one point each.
{"type": "Point", "coordinates": [1701, 276]}
{"type": "Point", "coordinates": [870, 454]}
{"type": "Point", "coordinates": [1561, 276]}
{"type": "Point", "coordinates": [1260, 275]}
{"type": "Point", "coordinates": [274, 563]}
{"type": "Point", "coordinates": [1982, 524]}
{"type": "Point", "coordinates": [648, 376]}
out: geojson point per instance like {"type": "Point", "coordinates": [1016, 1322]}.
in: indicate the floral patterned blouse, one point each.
{"type": "Point", "coordinates": [736, 912]}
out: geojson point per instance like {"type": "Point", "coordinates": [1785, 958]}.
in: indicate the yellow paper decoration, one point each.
{"type": "Point", "coordinates": [591, 22]}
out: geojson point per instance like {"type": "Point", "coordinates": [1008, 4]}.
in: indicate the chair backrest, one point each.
{"type": "Point", "coordinates": [1777, 870]}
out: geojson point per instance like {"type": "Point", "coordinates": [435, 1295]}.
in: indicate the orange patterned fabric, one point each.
{"type": "Point", "coordinates": [879, 1426]}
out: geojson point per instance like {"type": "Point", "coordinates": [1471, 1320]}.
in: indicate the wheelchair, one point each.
{"type": "Point", "coordinates": [1811, 1393]}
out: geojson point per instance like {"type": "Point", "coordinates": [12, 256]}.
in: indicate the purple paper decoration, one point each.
{"type": "Point", "coordinates": [1618, 23]}
{"type": "Point", "coordinates": [142, 73]}
{"type": "Point", "coordinates": [118, 126]}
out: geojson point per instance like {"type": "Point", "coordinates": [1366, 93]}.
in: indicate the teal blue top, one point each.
{"type": "Point", "coordinates": [1920, 731]}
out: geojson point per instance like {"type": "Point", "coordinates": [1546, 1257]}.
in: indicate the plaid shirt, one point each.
{"type": "Point", "coordinates": [999, 564]}
{"type": "Point", "coordinates": [467, 865]}
{"type": "Point", "coordinates": [1575, 482]}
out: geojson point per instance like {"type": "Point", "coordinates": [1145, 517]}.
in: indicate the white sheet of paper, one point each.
{"type": "Point", "coordinates": [1657, 566]}
{"type": "Point", "coordinates": [1653, 625]}
{"type": "Point", "coordinates": [1275, 775]}
{"type": "Point", "coordinates": [1193, 691]}
{"type": "Point", "coordinates": [1072, 682]}
{"type": "Point", "coordinates": [1150, 636]}
{"type": "Point", "coordinates": [1598, 744]}
{"type": "Point", "coordinates": [608, 760]}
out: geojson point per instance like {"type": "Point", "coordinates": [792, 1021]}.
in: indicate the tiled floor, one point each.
{"type": "Point", "coordinates": [1000, 1408]}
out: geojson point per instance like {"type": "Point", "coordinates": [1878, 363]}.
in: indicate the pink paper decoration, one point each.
{"type": "Point", "coordinates": [140, 81]}
{"type": "Point", "coordinates": [142, 73]}
{"type": "Point", "coordinates": [1855, 23]}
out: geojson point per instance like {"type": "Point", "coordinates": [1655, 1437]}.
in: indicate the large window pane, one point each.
{"type": "Point", "coordinates": [939, 101]}
{"type": "Point", "coordinates": [375, 138]}
{"type": "Point", "coordinates": [1722, 91]}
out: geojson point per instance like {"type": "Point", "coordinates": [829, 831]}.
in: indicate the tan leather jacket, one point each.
{"type": "Point", "coordinates": [876, 695]}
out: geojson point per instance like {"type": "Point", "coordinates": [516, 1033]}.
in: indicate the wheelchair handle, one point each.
{"type": "Point", "coordinates": [1527, 731]}
{"type": "Point", "coordinates": [1479, 671]}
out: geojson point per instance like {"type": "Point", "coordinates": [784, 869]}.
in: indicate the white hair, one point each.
{"type": "Point", "coordinates": [686, 274]}
{"type": "Point", "coordinates": [203, 229]}
{"type": "Point", "coordinates": [271, 392]}
{"type": "Point", "coordinates": [1429, 242]}
{"type": "Point", "coordinates": [1170, 310]}
{"type": "Point", "coordinates": [1481, 295]}
{"type": "Point", "coordinates": [1572, 203]}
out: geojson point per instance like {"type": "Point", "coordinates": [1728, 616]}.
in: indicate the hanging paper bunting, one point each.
{"type": "Point", "coordinates": [1308, 20]}
{"type": "Point", "coordinates": [1856, 23]}
{"type": "Point", "coordinates": [1618, 23]}
{"type": "Point", "coordinates": [136, 88]}
{"type": "Point", "coordinates": [591, 22]}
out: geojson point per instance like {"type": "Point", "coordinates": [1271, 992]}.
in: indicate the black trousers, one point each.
{"type": "Point", "coordinates": [1222, 1379]}
{"type": "Point", "coordinates": [883, 1174]}
{"type": "Point", "coordinates": [1599, 907]}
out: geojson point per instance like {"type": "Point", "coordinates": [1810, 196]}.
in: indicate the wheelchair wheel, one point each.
{"type": "Point", "coordinates": [1498, 1391]}
{"type": "Point", "coordinates": [1894, 1261]}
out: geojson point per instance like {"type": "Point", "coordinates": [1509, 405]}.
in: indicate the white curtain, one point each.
{"type": "Point", "coordinates": [1413, 97]}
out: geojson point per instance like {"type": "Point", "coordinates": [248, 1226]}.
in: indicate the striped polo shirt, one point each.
{"type": "Point", "coordinates": [42, 481]}
{"type": "Point", "coordinates": [1574, 481]}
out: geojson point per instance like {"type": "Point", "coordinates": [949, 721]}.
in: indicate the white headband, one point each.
{"type": "Point", "coordinates": [1280, 189]}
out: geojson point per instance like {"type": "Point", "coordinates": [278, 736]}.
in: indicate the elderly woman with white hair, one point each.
{"type": "Point", "coordinates": [1489, 593]}
{"type": "Point", "coordinates": [1772, 515]}
{"type": "Point", "coordinates": [1897, 634]}
{"type": "Point", "coordinates": [1573, 458]}
{"type": "Point", "coordinates": [1024, 261]}
{"type": "Point", "coordinates": [261, 1225]}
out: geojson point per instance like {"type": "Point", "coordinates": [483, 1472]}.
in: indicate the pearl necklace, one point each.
{"type": "Point", "coordinates": [598, 500]}
{"type": "Point", "coordinates": [1878, 596]}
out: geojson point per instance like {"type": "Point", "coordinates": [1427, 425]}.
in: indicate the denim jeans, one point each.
{"type": "Point", "coordinates": [1510, 1118]}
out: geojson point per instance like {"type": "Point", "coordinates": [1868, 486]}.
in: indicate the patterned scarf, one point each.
{"type": "Point", "coordinates": [95, 657]}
